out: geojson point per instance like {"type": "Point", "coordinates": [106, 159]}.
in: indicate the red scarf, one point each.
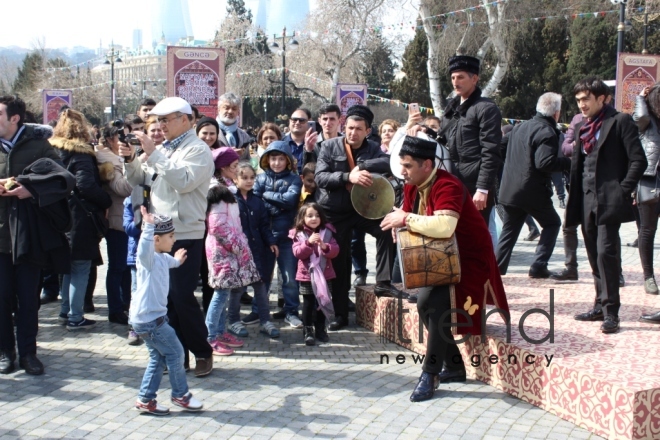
{"type": "Point", "coordinates": [588, 131]}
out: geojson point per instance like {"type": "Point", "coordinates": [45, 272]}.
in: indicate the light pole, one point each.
{"type": "Point", "coordinates": [646, 21]}
{"type": "Point", "coordinates": [275, 48]}
{"type": "Point", "coordinates": [623, 26]}
{"type": "Point", "coordinates": [111, 60]}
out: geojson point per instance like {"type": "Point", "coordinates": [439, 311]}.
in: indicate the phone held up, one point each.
{"type": "Point", "coordinates": [413, 107]}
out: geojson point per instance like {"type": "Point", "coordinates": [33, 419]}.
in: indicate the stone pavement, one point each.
{"type": "Point", "coordinates": [269, 389]}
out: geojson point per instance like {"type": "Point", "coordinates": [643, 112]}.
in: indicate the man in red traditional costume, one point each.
{"type": "Point", "coordinates": [436, 204]}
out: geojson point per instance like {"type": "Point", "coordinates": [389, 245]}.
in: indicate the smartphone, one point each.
{"type": "Point", "coordinates": [413, 107]}
{"type": "Point", "coordinates": [312, 125]}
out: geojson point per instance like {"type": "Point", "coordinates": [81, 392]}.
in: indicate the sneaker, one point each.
{"type": "Point", "coordinates": [188, 402]}
{"type": "Point", "coordinates": [151, 407]}
{"type": "Point", "coordinates": [270, 330]}
{"type": "Point", "coordinates": [650, 286]}
{"type": "Point", "coordinates": [230, 340]}
{"type": "Point", "coordinates": [220, 349]}
{"type": "Point", "coordinates": [238, 329]}
{"type": "Point", "coordinates": [252, 318]}
{"type": "Point", "coordinates": [63, 318]}
{"type": "Point", "coordinates": [84, 324]}
{"type": "Point", "coordinates": [293, 321]}
{"type": "Point", "coordinates": [133, 338]}
{"type": "Point", "coordinates": [279, 315]}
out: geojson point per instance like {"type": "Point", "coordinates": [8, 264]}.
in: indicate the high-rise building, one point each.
{"type": "Point", "coordinates": [274, 15]}
{"type": "Point", "coordinates": [171, 19]}
{"type": "Point", "coordinates": [137, 39]}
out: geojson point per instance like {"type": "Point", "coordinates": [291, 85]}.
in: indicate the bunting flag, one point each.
{"type": "Point", "coordinates": [88, 63]}
{"type": "Point", "coordinates": [118, 81]}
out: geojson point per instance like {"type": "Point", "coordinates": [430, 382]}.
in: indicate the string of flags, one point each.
{"type": "Point", "coordinates": [119, 81]}
{"type": "Point", "coordinates": [398, 103]}
{"type": "Point", "coordinates": [87, 63]}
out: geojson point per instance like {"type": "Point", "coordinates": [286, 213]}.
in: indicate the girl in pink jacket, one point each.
{"type": "Point", "coordinates": [314, 246]}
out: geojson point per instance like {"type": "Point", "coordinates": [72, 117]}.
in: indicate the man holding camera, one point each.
{"type": "Point", "coordinates": [180, 173]}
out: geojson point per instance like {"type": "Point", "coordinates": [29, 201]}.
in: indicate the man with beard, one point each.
{"type": "Point", "coordinates": [230, 134]}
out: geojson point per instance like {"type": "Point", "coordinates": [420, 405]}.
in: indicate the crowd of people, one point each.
{"type": "Point", "coordinates": [180, 198]}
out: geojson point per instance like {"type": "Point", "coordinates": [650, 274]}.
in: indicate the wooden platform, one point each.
{"type": "Point", "coordinates": [609, 384]}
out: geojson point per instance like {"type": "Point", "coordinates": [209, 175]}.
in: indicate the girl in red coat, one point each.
{"type": "Point", "coordinates": [314, 246]}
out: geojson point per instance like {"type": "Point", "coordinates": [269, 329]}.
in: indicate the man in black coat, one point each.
{"type": "Point", "coordinates": [607, 145]}
{"type": "Point", "coordinates": [345, 161]}
{"type": "Point", "coordinates": [471, 130]}
{"type": "Point", "coordinates": [526, 187]}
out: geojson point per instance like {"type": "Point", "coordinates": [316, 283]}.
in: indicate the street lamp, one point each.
{"type": "Point", "coordinates": [646, 21]}
{"type": "Point", "coordinates": [275, 48]}
{"type": "Point", "coordinates": [623, 26]}
{"type": "Point", "coordinates": [111, 58]}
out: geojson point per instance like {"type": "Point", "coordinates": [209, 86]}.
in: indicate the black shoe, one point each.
{"type": "Point", "coordinates": [360, 280]}
{"type": "Point", "coordinates": [308, 334]}
{"type": "Point", "coordinates": [539, 273]}
{"type": "Point", "coordinates": [591, 315]}
{"type": "Point", "coordinates": [633, 244]}
{"type": "Point", "coordinates": [246, 299]}
{"type": "Point", "coordinates": [412, 299]}
{"type": "Point", "coordinates": [88, 307]}
{"type": "Point", "coordinates": [533, 235]}
{"type": "Point", "coordinates": [425, 387]}
{"type": "Point", "coordinates": [321, 334]}
{"type": "Point", "coordinates": [622, 281]}
{"type": "Point", "coordinates": [565, 275]}
{"type": "Point", "coordinates": [279, 315]}
{"type": "Point", "coordinates": [610, 324]}
{"type": "Point", "coordinates": [118, 318]}
{"type": "Point", "coordinates": [47, 299]}
{"type": "Point", "coordinates": [7, 362]}
{"type": "Point", "coordinates": [651, 319]}
{"type": "Point", "coordinates": [447, 376]}
{"type": "Point", "coordinates": [338, 324]}
{"type": "Point", "coordinates": [31, 365]}
{"type": "Point", "coordinates": [562, 204]}
{"type": "Point", "coordinates": [351, 306]}
{"type": "Point", "coordinates": [386, 289]}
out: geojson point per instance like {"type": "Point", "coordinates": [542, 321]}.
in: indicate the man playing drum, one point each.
{"type": "Point", "coordinates": [437, 205]}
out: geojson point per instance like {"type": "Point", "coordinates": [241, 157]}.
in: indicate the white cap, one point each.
{"type": "Point", "coordinates": [171, 105]}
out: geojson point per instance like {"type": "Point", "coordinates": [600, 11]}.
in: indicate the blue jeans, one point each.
{"type": "Point", "coordinates": [288, 265]}
{"type": "Point", "coordinates": [164, 349]}
{"type": "Point", "coordinates": [216, 316]}
{"type": "Point", "coordinates": [117, 242]}
{"type": "Point", "coordinates": [260, 300]}
{"type": "Point", "coordinates": [73, 290]}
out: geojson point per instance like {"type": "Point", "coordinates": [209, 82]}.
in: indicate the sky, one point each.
{"type": "Point", "coordinates": [89, 23]}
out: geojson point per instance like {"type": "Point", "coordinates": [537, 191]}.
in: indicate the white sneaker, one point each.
{"type": "Point", "coordinates": [188, 402]}
{"type": "Point", "coordinates": [293, 321]}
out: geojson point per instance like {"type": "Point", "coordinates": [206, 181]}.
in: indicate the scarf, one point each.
{"type": "Point", "coordinates": [7, 145]}
{"type": "Point", "coordinates": [230, 132]}
{"type": "Point", "coordinates": [317, 262]}
{"type": "Point", "coordinates": [588, 131]}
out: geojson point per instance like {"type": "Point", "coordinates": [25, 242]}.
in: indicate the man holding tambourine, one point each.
{"type": "Point", "coordinates": [436, 205]}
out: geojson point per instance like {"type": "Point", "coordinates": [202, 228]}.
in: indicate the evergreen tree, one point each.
{"type": "Point", "coordinates": [29, 73]}
{"type": "Point", "coordinates": [414, 87]}
{"type": "Point", "coordinates": [378, 68]}
{"type": "Point", "coordinates": [237, 8]}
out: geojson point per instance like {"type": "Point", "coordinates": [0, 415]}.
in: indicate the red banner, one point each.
{"type": "Point", "coordinates": [634, 72]}
{"type": "Point", "coordinates": [197, 74]}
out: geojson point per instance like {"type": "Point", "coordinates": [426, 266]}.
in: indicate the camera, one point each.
{"type": "Point", "coordinates": [128, 139]}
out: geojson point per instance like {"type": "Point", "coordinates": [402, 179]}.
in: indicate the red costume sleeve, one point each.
{"type": "Point", "coordinates": [447, 194]}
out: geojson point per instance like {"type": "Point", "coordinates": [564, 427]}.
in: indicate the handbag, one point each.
{"type": "Point", "coordinates": [648, 190]}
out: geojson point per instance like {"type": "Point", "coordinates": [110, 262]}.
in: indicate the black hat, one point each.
{"type": "Point", "coordinates": [363, 112]}
{"type": "Point", "coordinates": [207, 121]}
{"type": "Point", "coordinates": [464, 63]}
{"type": "Point", "coordinates": [418, 147]}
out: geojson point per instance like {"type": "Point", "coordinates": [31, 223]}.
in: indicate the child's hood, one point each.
{"type": "Point", "coordinates": [280, 147]}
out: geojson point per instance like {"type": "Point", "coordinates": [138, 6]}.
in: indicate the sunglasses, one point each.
{"type": "Point", "coordinates": [299, 120]}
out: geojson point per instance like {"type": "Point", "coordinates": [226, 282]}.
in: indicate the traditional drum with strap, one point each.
{"type": "Point", "coordinates": [427, 261]}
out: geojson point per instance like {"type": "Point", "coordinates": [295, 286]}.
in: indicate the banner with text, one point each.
{"type": "Point", "coordinates": [197, 74]}
{"type": "Point", "coordinates": [634, 72]}
{"type": "Point", "coordinates": [53, 101]}
{"type": "Point", "coordinates": [348, 95]}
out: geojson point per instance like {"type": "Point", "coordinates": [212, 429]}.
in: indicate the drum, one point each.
{"type": "Point", "coordinates": [376, 201]}
{"type": "Point", "coordinates": [427, 261]}
{"type": "Point", "coordinates": [442, 159]}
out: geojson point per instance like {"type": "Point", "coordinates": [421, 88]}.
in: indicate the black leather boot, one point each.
{"type": "Point", "coordinates": [425, 388]}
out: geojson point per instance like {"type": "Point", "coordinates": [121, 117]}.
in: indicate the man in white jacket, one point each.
{"type": "Point", "coordinates": [179, 172]}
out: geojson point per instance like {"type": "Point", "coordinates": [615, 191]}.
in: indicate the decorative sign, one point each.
{"type": "Point", "coordinates": [349, 95]}
{"type": "Point", "coordinates": [53, 101]}
{"type": "Point", "coordinates": [634, 72]}
{"type": "Point", "coordinates": [197, 74]}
